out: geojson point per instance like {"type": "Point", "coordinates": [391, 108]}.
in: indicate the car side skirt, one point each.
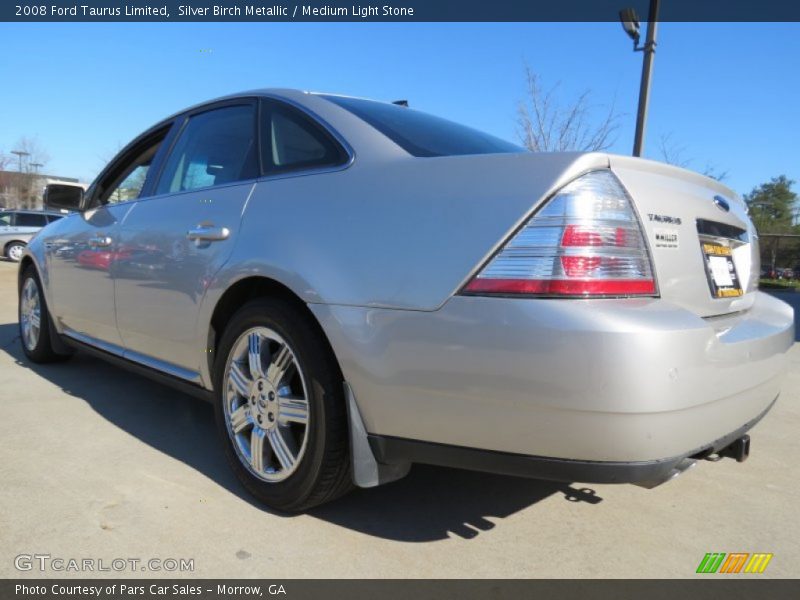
{"type": "Point", "coordinates": [177, 383]}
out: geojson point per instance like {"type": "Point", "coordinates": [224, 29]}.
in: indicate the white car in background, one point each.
{"type": "Point", "coordinates": [17, 227]}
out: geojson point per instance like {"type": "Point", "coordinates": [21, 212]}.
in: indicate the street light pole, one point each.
{"type": "Point", "coordinates": [20, 178]}
{"type": "Point", "coordinates": [20, 154]}
{"type": "Point", "coordinates": [649, 50]}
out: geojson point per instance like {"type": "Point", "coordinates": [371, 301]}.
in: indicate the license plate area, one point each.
{"type": "Point", "coordinates": [723, 281]}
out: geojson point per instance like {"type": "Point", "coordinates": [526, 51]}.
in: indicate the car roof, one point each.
{"type": "Point", "coordinates": [287, 93]}
{"type": "Point", "coordinates": [33, 211]}
{"type": "Point", "coordinates": [291, 94]}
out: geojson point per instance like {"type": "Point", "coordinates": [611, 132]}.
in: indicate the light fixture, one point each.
{"type": "Point", "coordinates": [630, 23]}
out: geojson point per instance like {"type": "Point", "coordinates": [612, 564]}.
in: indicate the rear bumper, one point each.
{"type": "Point", "coordinates": [390, 450]}
{"type": "Point", "coordinates": [593, 381]}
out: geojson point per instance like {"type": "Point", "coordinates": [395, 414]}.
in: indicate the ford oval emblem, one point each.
{"type": "Point", "coordinates": [721, 203]}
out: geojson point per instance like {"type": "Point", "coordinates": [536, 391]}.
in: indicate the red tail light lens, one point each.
{"type": "Point", "coordinates": [585, 241]}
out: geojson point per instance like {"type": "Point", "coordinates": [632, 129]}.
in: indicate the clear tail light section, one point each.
{"type": "Point", "coordinates": [586, 241]}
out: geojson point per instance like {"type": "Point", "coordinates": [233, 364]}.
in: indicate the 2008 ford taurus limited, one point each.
{"type": "Point", "coordinates": [359, 286]}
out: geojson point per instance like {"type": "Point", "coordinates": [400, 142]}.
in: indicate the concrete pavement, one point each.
{"type": "Point", "coordinates": [99, 463]}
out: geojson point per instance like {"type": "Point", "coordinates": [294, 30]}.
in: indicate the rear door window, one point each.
{"type": "Point", "coordinates": [216, 147]}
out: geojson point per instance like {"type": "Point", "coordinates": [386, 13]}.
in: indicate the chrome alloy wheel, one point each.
{"type": "Point", "coordinates": [266, 404]}
{"type": "Point", "coordinates": [30, 314]}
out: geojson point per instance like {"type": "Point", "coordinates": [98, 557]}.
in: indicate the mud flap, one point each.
{"type": "Point", "coordinates": [367, 471]}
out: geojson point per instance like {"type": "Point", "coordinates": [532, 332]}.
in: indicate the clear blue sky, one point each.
{"type": "Point", "coordinates": [727, 93]}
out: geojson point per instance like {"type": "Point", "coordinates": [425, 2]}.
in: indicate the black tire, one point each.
{"type": "Point", "coordinates": [323, 472]}
{"type": "Point", "coordinates": [42, 351]}
{"type": "Point", "coordinates": [10, 248]}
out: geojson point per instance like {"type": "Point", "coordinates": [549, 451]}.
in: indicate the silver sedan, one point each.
{"type": "Point", "coordinates": [358, 286]}
{"type": "Point", "coordinates": [17, 227]}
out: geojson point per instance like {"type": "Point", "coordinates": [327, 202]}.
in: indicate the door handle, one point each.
{"type": "Point", "coordinates": [100, 240]}
{"type": "Point", "coordinates": [208, 233]}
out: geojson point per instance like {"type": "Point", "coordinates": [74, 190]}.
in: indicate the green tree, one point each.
{"type": "Point", "coordinates": [772, 208]}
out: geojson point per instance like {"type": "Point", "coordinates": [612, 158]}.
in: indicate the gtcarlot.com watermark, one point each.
{"type": "Point", "coordinates": [46, 563]}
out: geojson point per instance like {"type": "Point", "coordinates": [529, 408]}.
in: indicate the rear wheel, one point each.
{"type": "Point", "coordinates": [14, 251]}
{"type": "Point", "coordinates": [280, 408]}
{"type": "Point", "coordinates": [34, 321]}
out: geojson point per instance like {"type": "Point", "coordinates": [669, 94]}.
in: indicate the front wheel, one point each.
{"type": "Point", "coordinates": [280, 407]}
{"type": "Point", "coordinates": [14, 251]}
{"type": "Point", "coordinates": [34, 321]}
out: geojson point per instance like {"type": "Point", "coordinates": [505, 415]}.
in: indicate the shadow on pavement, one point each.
{"type": "Point", "coordinates": [429, 504]}
{"type": "Point", "coordinates": [432, 502]}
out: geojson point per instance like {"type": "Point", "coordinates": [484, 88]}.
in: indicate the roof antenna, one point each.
{"type": "Point", "coordinates": [401, 103]}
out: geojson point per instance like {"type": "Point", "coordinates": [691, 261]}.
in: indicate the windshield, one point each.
{"type": "Point", "coordinates": [421, 134]}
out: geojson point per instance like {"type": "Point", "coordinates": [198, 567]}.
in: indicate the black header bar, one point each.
{"type": "Point", "coordinates": [391, 10]}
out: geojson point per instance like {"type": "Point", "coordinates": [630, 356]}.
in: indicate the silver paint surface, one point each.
{"type": "Point", "coordinates": [379, 251]}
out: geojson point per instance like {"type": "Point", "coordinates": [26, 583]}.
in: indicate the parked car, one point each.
{"type": "Point", "coordinates": [17, 227]}
{"type": "Point", "coordinates": [358, 286]}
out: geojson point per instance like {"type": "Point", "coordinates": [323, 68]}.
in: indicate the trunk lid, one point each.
{"type": "Point", "coordinates": [691, 236]}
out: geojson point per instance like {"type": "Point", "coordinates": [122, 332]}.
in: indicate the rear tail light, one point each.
{"type": "Point", "coordinates": [585, 241]}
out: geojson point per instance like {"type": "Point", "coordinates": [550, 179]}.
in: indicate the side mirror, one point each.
{"type": "Point", "coordinates": [63, 196]}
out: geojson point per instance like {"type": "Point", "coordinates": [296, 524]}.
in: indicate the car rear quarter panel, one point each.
{"type": "Point", "coordinates": [388, 231]}
{"type": "Point", "coordinates": [402, 234]}
{"type": "Point", "coordinates": [605, 380]}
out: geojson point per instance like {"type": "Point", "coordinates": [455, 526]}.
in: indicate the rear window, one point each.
{"type": "Point", "coordinates": [421, 134]}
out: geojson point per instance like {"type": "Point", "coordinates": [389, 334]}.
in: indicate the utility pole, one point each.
{"type": "Point", "coordinates": [630, 22]}
{"type": "Point", "coordinates": [20, 177]}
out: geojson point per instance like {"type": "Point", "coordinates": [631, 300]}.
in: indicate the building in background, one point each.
{"type": "Point", "coordinates": [25, 190]}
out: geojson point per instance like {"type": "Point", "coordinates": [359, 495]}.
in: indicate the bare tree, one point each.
{"type": "Point", "coordinates": [675, 154]}
{"type": "Point", "coordinates": [671, 152]}
{"type": "Point", "coordinates": [544, 124]}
